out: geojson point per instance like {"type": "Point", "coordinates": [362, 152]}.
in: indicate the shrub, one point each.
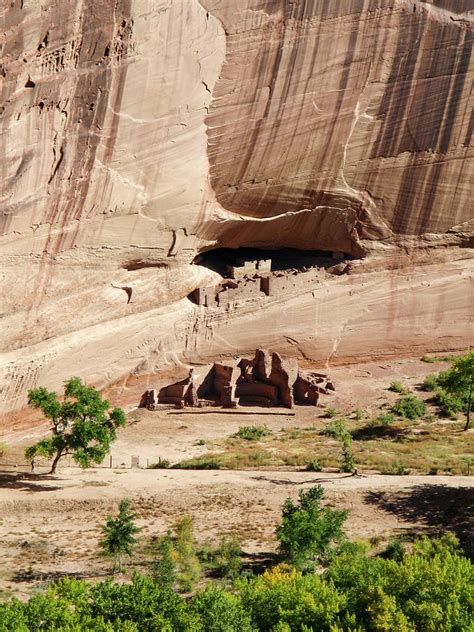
{"type": "Point", "coordinates": [359, 414]}
{"type": "Point", "coordinates": [334, 429]}
{"type": "Point", "coordinates": [385, 419]}
{"type": "Point", "coordinates": [221, 611]}
{"type": "Point", "coordinates": [398, 387]}
{"type": "Point", "coordinates": [308, 531]}
{"type": "Point", "coordinates": [430, 383]}
{"type": "Point", "coordinates": [330, 412]}
{"type": "Point", "coordinates": [449, 405]}
{"type": "Point", "coordinates": [226, 559]}
{"type": "Point", "coordinates": [348, 460]}
{"type": "Point", "coordinates": [163, 567]}
{"type": "Point", "coordinates": [395, 550]}
{"type": "Point", "coordinates": [200, 463]}
{"type": "Point", "coordinates": [314, 466]}
{"type": "Point", "coordinates": [252, 433]}
{"type": "Point", "coordinates": [409, 407]}
{"type": "Point", "coordinates": [184, 554]}
{"type": "Point", "coordinates": [397, 469]}
{"type": "Point", "coordinates": [161, 464]}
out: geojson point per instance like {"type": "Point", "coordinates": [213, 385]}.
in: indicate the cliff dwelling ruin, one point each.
{"type": "Point", "coordinates": [267, 379]}
{"type": "Point", "coordinates": [250, 273]}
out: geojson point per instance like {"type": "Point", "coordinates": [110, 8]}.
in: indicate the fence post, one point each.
{"type": "Point", "coordinates": [110, 461]}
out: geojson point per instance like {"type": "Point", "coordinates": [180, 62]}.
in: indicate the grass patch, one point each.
{"type": "Point", "coordinates": [434, 359]}
{"type": "Point", "coordinates": [200, 463]}
{"type": "Point", "coordinates": [398, 387]}
{"type": "Point", "coordinates": [161, 464]}
{"type": "Point", "coordinates": [252, 433]}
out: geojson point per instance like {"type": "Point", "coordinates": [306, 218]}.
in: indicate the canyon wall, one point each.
{"type": "Point", "coordinates": [139, 133]}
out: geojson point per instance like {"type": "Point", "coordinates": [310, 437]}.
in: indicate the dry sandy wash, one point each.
{"type": "Point", "coordinates": [138, 134]}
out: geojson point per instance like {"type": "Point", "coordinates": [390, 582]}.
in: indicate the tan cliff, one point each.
{"type": "Point", "coordinates": [137, 134]}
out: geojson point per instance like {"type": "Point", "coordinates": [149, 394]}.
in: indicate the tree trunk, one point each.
{"type": "Point", "coordinates": [55, 462]}
{"type": "Point", "coordinates": [469, 405]}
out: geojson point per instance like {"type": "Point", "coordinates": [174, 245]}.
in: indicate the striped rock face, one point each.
{"type": "Point", "coordinates": [138, 133]}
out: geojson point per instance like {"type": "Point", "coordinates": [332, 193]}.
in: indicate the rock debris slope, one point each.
{"type": "Point", "coordinates": [136, 134]}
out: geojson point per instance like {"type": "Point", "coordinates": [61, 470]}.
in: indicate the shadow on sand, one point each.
{"type": "Point", "coordinates": [27, 482]}
{"type": "Point", "coordinates": [434, 508]}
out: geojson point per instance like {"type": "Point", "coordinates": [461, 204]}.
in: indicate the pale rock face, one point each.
{"type": "Point", "coordinates": [138, 133]}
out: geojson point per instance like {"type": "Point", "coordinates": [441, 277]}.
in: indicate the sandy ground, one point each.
{"type": "Point", "coordinates": [50, 526]}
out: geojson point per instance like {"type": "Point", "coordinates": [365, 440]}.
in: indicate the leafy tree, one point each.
{"type": "Point", "coordinates": [284, 599]}
{"type": "Point", "coordinates": [307, 530]}
{"type": "Point", "coordinates": [458, 381]}
{"type": "Point", "coordinates": [348, 460]}
{"type": "Point", "coordinates": [82, 425]}
{"type": "Point", "coordinates": [163, 568]}
{"type": "Point", "coordinates": [119, 535]}
{"type": "Point", "coordinates": [221, 611]}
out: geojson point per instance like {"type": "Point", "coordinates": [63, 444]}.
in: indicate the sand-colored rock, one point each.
{"type": "Point", "coordinates": [138, 133]}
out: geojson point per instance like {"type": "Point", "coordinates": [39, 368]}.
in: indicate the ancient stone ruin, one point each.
{"type": "Point", "coordinates": [267, 380]}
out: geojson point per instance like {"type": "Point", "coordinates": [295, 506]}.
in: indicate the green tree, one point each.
{"type": "Point", "coordinates": [458, 381]}
{"type": "Point", "coordinates": [119, 535]}
{"type": "Point", "coordinates": [307, 530]}
{"type": "Point", "coordinates": [82, 425]}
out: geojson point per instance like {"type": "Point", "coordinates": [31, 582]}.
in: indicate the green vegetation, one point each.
{"type": "Point", "coordinates": [200, 463]}
{"type": "Point", "coordinates": [348, 460]}
{"type": "Point", "coordinates": [327, 584]}
{"type": "Point", "coordinates": [335, 429]}
{"type": "Point", "coordinates": [252, 433]}
{"type": "Point", "coordinates": [308, 532]}
{"type": "Point", "coordinates": [430, 383]}
{"type": "Point", "coordinates": [161, 464]}
{"type": "Point", "coordinates": [385, 419]}
{"type": "Point", "coordinates": [119, 536]}
{"type": "Point", "coordinates": [330, 412]}
{"type": "Point", "coordinates": [399, 387]}
{"type": "Point", "coordinates": [435, 359]}
{"type": "Point", "coordinates": [410, 407]}
{"type": "Point", "coordinates": [458, 383]}
{"type": "Point", "coordinates": [314, 466]}
{"type": "Point", "coordinates": [82, 425]}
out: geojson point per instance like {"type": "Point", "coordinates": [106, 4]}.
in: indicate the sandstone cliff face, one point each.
{"type": "Point", "coordinates": [138, 133]}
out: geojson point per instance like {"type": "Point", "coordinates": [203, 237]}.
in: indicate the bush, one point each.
{"type": "Point", "coordinates": [359, 414]}
{"type": "Point", "coordinates": [398, 387]}
{"type": "Point", "coordinates": [385, 419]}
{"type": "Point", "coordinates": [283, 599]}
{"type": "Point", "coordinates": [200, 463]}
{"type": "Point", "coordinates": [348, 460]}
{"type": "Point", "coordinates": [330, 412]}
{"type": "Point", "coordinates": [252, 433]}
{"type": "Point", "coordinates": [221, 611]}
{"type": "Point", "coordinates": [449, 405]}
{"type": "Point", "coordinates": [410, 407]}
{"type": "Point", "coordinates": [226, 560]}
{"type": "Point", "coordinates": [334, 429]}
{"type": "Point", "coordinates": [314, 466]}
{"type": "Point", "coordinates": [308, 531]}
{"type": "Point", "coordinates": [397, 469]}
{"type": "Point", "coordinates": [430, 383]}
{"type": "Point", "coordinates": [161, 464]}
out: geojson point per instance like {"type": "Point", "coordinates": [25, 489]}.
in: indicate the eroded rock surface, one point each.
{"type": "Point", "coordinates": [139, 133]}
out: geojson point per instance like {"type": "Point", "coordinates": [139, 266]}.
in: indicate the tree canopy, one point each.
{"type": "Point", "coordinates": [458, 381]}
{"type": "Point", "coordinates": [83, 425]}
